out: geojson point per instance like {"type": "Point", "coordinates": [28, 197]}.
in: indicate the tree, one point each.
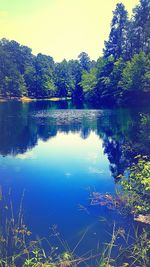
{"type": "Point", "coordinates": [135, 78]}
{"type": "Point", "coordinates": [88, 83]}
{"type": "Point", "coordinates": [19, 55]}
{"type": "Point", "coordinates": [141, 27]}
{"type": "Point", "coordinates": [115, 77]}
{"type": "Point", "coordinates": [30, 79]}
{"type": "Point", "coordinates": [116, 45]}
{"type": "Point", "coordinates": [44, 66]}
{"type": "Point", "coordinates": [104, 84]}
{"type": "Point", "coordinates": [75, 70]}
{"type": "Point", "coordinates": [84, 61]}
{"type": "Point", "coordinates": [21, 73]}
{"type": "Point", "coordinates": [12, 82]}
{"type": "Point", "coordinates": [63, 79]}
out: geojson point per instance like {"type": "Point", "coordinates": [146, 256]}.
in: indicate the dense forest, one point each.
{"type": "Point", "coordinates": [120, 76]}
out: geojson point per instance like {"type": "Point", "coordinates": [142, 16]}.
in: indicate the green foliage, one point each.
{"type": "Point", "coordinates": [140, 39]}
{"type": "Point", "coordinates": [75, 76]}
{"type": "Point", "coordinates": [63, 79]}
{"type": "Point", "coordinates": [129, 43]}
{"type": "Point", "coordinates": [44, 66]}
{"type": "Point", "coordinates": [84, 61]}
{"type": "Point", "coordinates": [88, 83]}
{"type": "Point", "coordinates": [136, 187]}
{"type": "Point", "coordinates": [103, 88]}
{"type": "Point", "coordinates": [23, 74]}
{"type": "Point", "coordinates": [135, 77]}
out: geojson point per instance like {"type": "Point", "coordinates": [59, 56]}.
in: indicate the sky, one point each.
{"type": "Point", "coordinates": [59, 28]}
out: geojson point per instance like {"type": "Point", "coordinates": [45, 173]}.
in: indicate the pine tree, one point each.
{"type": "Point", "coordinates": [116, 45]}
{"type": "Point", "coordinates": [141, 27]}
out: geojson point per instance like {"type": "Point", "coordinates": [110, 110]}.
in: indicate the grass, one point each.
{"type": "Point", "coordinates": [18, 248]}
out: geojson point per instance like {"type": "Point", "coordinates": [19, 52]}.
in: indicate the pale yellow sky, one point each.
{"type": "Point", "coordinates": [60, 28]}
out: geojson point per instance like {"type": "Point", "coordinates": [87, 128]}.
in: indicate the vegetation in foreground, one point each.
{"type": "Point", "coordinates": [132, 194]}
{"type": "Point", "coordinates": [120, 76]}
{"type": "Point", "coordinates": [136, 187]}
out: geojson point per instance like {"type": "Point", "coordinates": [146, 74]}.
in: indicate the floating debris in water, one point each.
{"type": "Point", "coordinates": [68, 116]}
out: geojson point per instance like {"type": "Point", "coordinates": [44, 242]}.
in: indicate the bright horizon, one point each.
{"type": "Point", "coordinates": [59, 28]}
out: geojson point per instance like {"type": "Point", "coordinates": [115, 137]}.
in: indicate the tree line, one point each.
{"type": "Point", "coordinates": [23, 74]}
{"type": "Point", "coordinates": [121, 75]}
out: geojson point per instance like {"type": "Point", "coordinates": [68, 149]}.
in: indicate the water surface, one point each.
{"type": "Point", "coordinates": [58, 154]}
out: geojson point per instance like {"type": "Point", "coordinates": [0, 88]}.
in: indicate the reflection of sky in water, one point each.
{"type": "Point", "coordinates": [57, 175]}
{"type": "Point", "coordinates": [66, 154]}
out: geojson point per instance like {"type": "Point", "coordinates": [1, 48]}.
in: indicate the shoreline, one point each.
{"type": "Point", "coordinates": [28, 99]}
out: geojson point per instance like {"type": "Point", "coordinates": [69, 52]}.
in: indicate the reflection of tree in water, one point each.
{"type": "Point", "coordinates": [125, 138]}
{"type": "Point", "coordinates": [23, 124]}
{"type": "Point", "coordinates": [124, 133]}
{"type": "Point", "coordinates": [112, 128]}
{"type": "Point", "coordinates": [114, 151]}
{"type": "Point", "coordinates": [139, 138]}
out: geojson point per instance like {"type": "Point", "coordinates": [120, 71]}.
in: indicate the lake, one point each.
{"type": "Point", "coordinates": [57, 154]}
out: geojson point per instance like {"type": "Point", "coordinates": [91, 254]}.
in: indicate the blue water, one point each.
{"type": "Point", "coordinates": [57, 157]}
